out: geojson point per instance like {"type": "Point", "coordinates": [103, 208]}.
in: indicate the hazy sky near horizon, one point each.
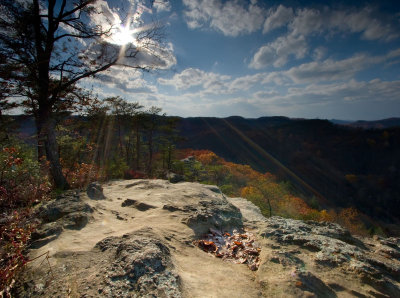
{"type": "Point", "coordinates": [311, 59]}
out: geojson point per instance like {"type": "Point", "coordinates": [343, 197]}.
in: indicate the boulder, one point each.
{"type": "Point", "coordinates": [189, 160]}
{"type": "Point", "coordinates": [66, 203]}
{"type": "Point", "coordinates": [333, 249]}
{"type": "Point", "coordinates": [67, 211]}
{"type": "Point", "coordinates": [174, 178]}
{"type": "Point", "coordinates": [137, 264]}
{"type": "Point", "coordinates": [95, 191]}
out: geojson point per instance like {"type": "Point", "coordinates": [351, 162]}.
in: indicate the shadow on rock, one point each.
{"type": "Point", "coordinates": [68, 211]}
{"type": "Point", "coordinates": [311, 283]}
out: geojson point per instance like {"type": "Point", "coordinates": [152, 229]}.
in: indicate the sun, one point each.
{"type": "Point", "coordinates": [123, 36]}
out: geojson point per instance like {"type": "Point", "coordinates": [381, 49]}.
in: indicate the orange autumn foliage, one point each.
{"type": "Point", "coordinates": [207, 158]}
{"type": "Point", "coordinates": [265, 191]}
{"type": "Point", "coordinates": [81, 174]}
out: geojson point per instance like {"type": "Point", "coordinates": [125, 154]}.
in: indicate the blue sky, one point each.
{"type": "Point", "coordinates": [309, 59]}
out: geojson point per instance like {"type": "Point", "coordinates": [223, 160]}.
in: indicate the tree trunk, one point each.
{"type": "Point", "coordinates": [169, 161]}
{"type": "Point", "coordinates": [3, 124]}
{"type": "Point", "coordinates": [150, 161]}
{"type": "Point", "coordinates": [41, 150]}
{"type": "Point", "coordinates": [137, 149]}
{"type": "Point", "coordinates": [47, 135]}
{"type": "Point", "coordinates": [270, 208]}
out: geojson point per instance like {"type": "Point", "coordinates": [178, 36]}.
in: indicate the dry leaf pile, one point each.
{"type": "Point", "coordinates": [239, 248]}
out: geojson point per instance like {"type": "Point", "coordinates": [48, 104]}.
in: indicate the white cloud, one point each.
{"type": "Point", "coordinates": [192, 77]}
{"type": "Point", "coordinates": [209, 83]}
{"type": "Point", "coordinates": [312, 21]}
{"type": "Point", "coordinates": [231, 18]}
{"type": "Point", "coordinates": [328, 70]}
{"type": "Point", "coordinates": [162, 5]}
{"type": "Point", "coordinates": [373, 90]}
{"type": "Point", "coordinates": [307, 21]}
{"type": "Point", "coordinates": [104, 16]}
{"type": "Point", "coordinates": [331, 70]}
{"type": "Point", "coordinates": [348, 99]}
{"type": "Point", "coordinates": [278, 52]}
{"type": "Point", "coordinates": [244, 83]}
{"type": "Point", "coordinates": [124, 79]}
{"type": "Point", "coordinates": [393, 54]}
{"type": "Point", "coordinates": [276, 77]}
{"type": "Point", "coordinates": [265, 94]}
{"type": "Point", "coordinates": [319, 53]}
{"type": "Point", "coordinates": [304, 22]}
{"type": "Point", "coordinates": [278, 18]}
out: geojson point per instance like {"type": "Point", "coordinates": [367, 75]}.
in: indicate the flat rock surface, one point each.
{"type": "Point", "coordinates": [139, 242]}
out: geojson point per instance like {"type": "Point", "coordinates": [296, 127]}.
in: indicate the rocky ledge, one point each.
{"type": "Point", "coordinates": [140, 238]}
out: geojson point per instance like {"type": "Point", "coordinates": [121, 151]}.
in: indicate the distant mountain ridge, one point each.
{"type": "Point", "coordinates": [373, 124]}
{"type": "Point", "coordinates": [343, 164]}
{"type": "Point", "coordinates": [380, 124]}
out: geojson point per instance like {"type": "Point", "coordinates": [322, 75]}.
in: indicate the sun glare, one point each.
{"type": "Point", "coordinates": [123, 36]}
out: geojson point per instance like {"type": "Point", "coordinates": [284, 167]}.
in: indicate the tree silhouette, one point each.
{"type": "Point", "coordinates": [52, 45]}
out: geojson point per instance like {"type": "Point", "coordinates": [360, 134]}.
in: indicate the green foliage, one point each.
{"type": "Point", "coordinates": [178, 167]}
{"type": "Point", "coordinates": [313, 202]}
{"type": "Point", "coordinates": [22, 176]}
{"type": "Point", "coordinates": [192, 171]}
{"type": "Point", "coordinates": [144, 139]}
{"type": "Point", "coordinates": [228, 189]}
{"type": "Point", "coordinates": [115, 168]}
{"type": "Point", "coordinates": [23, 182]}
{"type": "Point", "coordinates": [376, 230]}
{"type": "Point", "coordinates": [73, 149]}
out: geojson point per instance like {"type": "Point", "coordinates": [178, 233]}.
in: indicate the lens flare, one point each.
{"type": "Point", "coordinates": [123, 36]}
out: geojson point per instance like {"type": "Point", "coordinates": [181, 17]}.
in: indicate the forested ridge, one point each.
{"type": "Point", "coordinates": [338, 165]}
{"type": "Point", "coordinates": [347, 166]}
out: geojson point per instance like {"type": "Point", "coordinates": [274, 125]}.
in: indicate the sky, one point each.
{"type": "Point", "coordinates": [301, 59]}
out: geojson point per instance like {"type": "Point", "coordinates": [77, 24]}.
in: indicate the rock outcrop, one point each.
{"type": "Point", "coordinates": [68, 211]}
{"type": "Point", "coordinates": [95, 191]}
{"type": "Point", "coordinates": [326, 260]}
{"type": "Point", "coordinates": [142, 241]}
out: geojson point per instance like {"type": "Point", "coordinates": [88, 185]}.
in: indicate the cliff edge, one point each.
{"type": "Point", "coordinates": [152, 238]}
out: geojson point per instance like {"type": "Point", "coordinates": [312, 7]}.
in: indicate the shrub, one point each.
{"type": "Point", "coordinates": [115, 168]}
{"type": "Point", "coordinates": [22, 184]}
{"type": "Point", "coordinates": [15, 233]}
{"type": "Point", "coordinates": [81, 175]}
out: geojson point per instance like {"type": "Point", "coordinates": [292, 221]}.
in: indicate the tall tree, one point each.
{"type": "Point", "coordinates": [151, 125]}
{"type": "Point", "coordinates": [169, 137]}
{"type": "Point", "coordinates": [137, 123]}
{"type": "Point", "coordinates": [132, 112]}
{"type": "Point", "coordinates": [123, 112]}
{"type": "Point", "coordinates": [54, 44]}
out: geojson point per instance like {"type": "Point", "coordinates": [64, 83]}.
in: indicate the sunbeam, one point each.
{"type": "Point", "coordinates": [124, 36]}
{"type": "Point", "coordinates": [272, 159]}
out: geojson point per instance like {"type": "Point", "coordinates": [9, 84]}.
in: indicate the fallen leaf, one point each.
{"type": "Point", "coordinates": [252, 252]}
{"type": "Point", "coordinates": [207, 245]}
{"type": "Point", "coordinates": [238, 243]}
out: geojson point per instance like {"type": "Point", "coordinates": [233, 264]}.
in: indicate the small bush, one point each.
{"type": "Point", "coordinates": [81, 175]}
{"type": "Point", "coordinates": [22, 184]}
